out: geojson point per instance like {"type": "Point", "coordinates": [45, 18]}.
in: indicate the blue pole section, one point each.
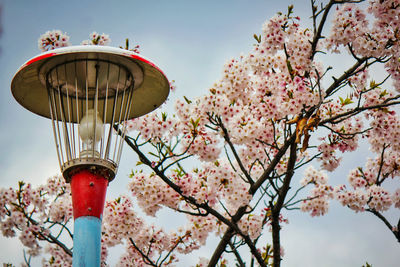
{"type": "Point", "coordinates": [88, 190]}
{"type": "Point", "coordinates": [87, 242]}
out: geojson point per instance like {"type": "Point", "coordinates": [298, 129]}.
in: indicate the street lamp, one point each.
{"type": "Point", "coordinates": [88, 92]}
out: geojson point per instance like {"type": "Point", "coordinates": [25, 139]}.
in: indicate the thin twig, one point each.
{"type": "Point", "coordinates": [237, 255]}
{"type": "Point", "coordinates": [395, 231]}
{"type": "Point", "coordinates": [233, 149]}
{"type": "Point", "coordinates": [145, 257]}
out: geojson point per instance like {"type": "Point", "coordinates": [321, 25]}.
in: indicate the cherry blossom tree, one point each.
{"type": "Point", "coordinates": [227, 159]}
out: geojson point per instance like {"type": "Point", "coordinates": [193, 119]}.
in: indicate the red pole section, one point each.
{"type": "Point", "coordinates": [88, 193]}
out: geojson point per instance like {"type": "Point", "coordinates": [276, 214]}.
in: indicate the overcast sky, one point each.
{"type": "Point", "coordinates": [190, 41]}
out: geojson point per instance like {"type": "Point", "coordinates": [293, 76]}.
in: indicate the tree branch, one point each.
{"type": "Point", "coordinates": [253, 189]}
{"type": "Point", "coordinates": [276, 208]}
{"type": "Point", "coordinates": [281, 152]}
{"type": "Point", "coordinates": [230, 223]}
{"type": "Point", "coordinates": [357, 110]}
{"type": "Point", "coordinates": [237, 255]}
{"type": "Point", "coordinates": [49, 238]}
{"type": "Point", "coordinates": [318, 33]}
{"type": "Point", "coordinates": [146, 259]}
{"type": "Point", "coordinates": [337, 82]}
{"type": "Point", "coordinates": [395, 231]}
{"type": "Point", "coordinates": [232, 147]}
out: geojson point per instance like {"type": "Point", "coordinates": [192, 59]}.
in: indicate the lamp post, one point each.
{"type": "Point", "coordinates": [88, 92]}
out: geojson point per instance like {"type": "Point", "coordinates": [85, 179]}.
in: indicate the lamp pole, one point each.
{"type": "Point", "coordinates": [87, 91]}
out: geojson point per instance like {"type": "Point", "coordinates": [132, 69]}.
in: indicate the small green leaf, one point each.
{"type": "Point", "coordinates": [383, 94]}
{"type": "Point", "coordinates": [133, 173]}
{"type": "Point", "coordinates": [195, 123]}
{"type": "Point", "coordinates": [373, 84]}
{"type": "Point", "coordinates": [127, 44]}
{"type": "Point", "coordinates": [164, 116]}
{"type": "Point", "coordinates": [346, 101]}
{"type": "Point", "coordinates": [257, 37]}
{"type": "Point", "coordinates": [187, 100]}
{"type": "Point", "coordinates": [290, 10]}
{"type": "Point", "coordinates": [290, 69]}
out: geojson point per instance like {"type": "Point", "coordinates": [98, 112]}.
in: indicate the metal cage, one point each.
{"type": "Point", "coordinates": [88, 92]}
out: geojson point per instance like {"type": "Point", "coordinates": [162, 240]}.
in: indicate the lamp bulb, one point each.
{"type": "Point", "coordinates": [91, 129]}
